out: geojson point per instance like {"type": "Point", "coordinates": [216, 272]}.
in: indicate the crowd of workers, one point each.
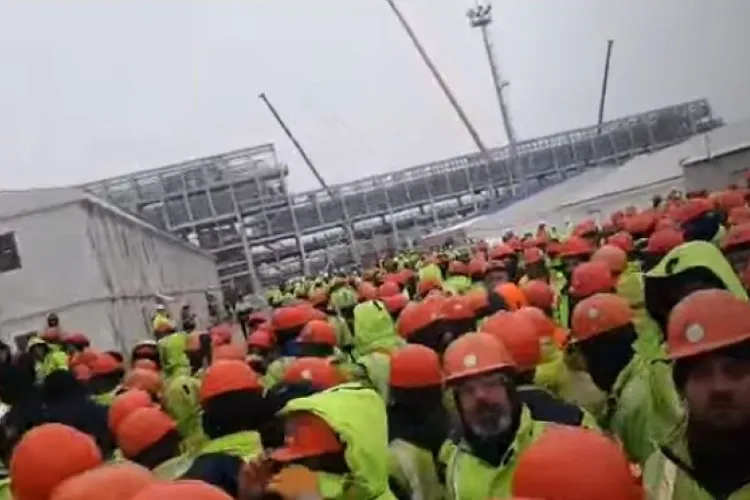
{"type": "Point", "coordinates": [608, 363]}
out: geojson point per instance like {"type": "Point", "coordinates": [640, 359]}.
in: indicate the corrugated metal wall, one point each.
{"type": "Point", "coordinates": [136, 264]}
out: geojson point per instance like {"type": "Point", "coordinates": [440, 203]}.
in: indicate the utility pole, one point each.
{"type": "Point", "coordinates": [605, 84]}
{"type": "Point", "coordinates": [480, 17]}
{"type": "Point", "coordinates": [347, 222]}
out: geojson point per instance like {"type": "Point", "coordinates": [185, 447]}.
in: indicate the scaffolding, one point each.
{"type": "Point", "coordinates": [238, 205]}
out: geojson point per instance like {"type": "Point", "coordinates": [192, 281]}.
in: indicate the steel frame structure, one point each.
{"type": "Point", "coordinates": [238, 205]}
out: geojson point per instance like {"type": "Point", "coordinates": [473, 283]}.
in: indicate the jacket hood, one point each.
{"type": "Point", "coordinates": [358, 416]}
{"type": "Point", "coordinates": [669, 281]}
{"type": "Point", "coordinates": [172, 353]}
{"type": "Point", "coordinates": [374, 329]}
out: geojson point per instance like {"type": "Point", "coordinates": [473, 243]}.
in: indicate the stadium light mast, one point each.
{"type": "Point", "coordinates": [480, 17]}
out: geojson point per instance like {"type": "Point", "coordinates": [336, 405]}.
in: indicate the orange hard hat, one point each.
{"type": "Point", "coordinates": [533, 255]}
{"type": "Point", "coordinates": [518, 334]}
{"type": "Point", "coordinates": [81, 372]}
{"type": "Point", "coordinates": [477, 299]}
{"type": "Point", "coordinates": [118, 481]}
{"type": "Point", "coordinates": [308, 435]}
{"type": "Point", "coordinates": [77, 339]}
{"type": "Point", "coordinates": [221, 334]}
{"type": "Point", "coordinates": [145, 380]}
{"type": "Point", "coordinates": [539, 294]}
{"type": "Point", "coordinates": [395, 303]}
{"type": "Point", "coordinates": [550, 468]}
{"type": "Point", "coordinates": [614, 256]}
{"type": "Point", "coordinates": [318, 332]}
{"type": "Point", "coordinates": [317, 298]}
{"type": "Point", "coordinates": [664, 240]}
{"type": "Point", "coordinates": [388, 289]}
{"type": "Point", "coordinates": [417, 316]}
{"type": "Point", "coordinates": [585, 228]}
{"type": "Point", "coordinates": [319, 372]}
{"type": "Point", "coordinates": [225, 376]}
{"type": "Point", "coordinates": [737, 236]}
{"type": "Point", "coordinates": [456, 308]}
{"type": "Point", "coordinates": [477, 267]}
{"type": "Point", "coordinates": [232, 351]}
{"type": "Point", "coordinates": [543, 325]}
{"type": "Point", "coordinates": [475, 354]}
{"type": "Point", "coordinates": [501, 251]}
{"type": "Point", "coordinates": [261, 338]}
{"type": "Point", "coordinates": [599, 314]}
{"type": "Point", "coordinates": [622, 240]}
{"type": "Point", "coordinates": [705, 321]}
{"type": "Point", "coordinates": [512, 295]}
{"type": "Point", "coordinates": [693, 208]}
{"type": "Point", "coordinates": [414, 366]}
{"type": "Point", "coordinates": [141, 429]}
{"type": "Point", "coordinates": [104, 364]}
{"type": "Point", "coordinates": [457, 267]}
{"type": "Point", "coordinates": [46, 456]}
{"type": "Point", "coordinates": [145, 364]}
{"type": "Point", "coordinates": [184, 490]}
{"type": "Point", "coordinates": [738, 215]}
{"type": "Point", "coordinates": [575, 246]}
{"type": "Point", "coordinates": [295, 317]}
{"type": "Point", "coordinates": [426, 285]}
{"type": "Point", "coordinates": [367, 291]}
{"type": "Point", "coordinates": [259, 317]}
{"type": "Point", "coordinates": [639, 224]}
{"type": "Point", "coordinates": [126, 403]}
{"type": "Point", "coordinates": [591, 277]}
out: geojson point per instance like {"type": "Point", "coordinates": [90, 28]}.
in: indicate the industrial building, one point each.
{"type": "Point", "coordinates": [711, 160]}
{"type": "Point", "coordinates": [99, 268]}
{"type": "Point", "coordinates": [238, 206]}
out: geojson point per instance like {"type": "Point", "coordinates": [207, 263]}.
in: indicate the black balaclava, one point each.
{"type": "Point", "coordinates": [233, 412]}
{"type": "Point", "coordinates": [662, 294]}
{"type": "Point", "coordinates": [164, 449]}
{"type": "Point", "coordinates": [703, 228]}
{"type": "Point", "coordinates": [102, 384]}
{"type": "Point", "coordinates": [305, 349]}
{"type": "Point", "coordinates": [272, 430]}
{"type": "Point", "coordinates": [418, 417]}
{"type": "Point", "coordinates": [608, 354]}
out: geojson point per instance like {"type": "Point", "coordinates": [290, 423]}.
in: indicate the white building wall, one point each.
{"type": "Point", "coordinates": [717, 173]}
{"type": "Point", "coordinates": [137, 263]}
{"type": "Point", "coordinates": [101, 271]}
{"type": "Point", "coordinates": [55, 269]}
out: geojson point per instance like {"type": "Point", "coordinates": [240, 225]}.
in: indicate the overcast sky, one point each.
{"type": "Point", "coordinates": [95, 88]}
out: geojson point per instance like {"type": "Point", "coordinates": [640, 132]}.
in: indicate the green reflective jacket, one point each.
{"type": "Point", "coordinates": [358, 416]}
{"type": "Point", "coordinates": [470, 478]}
{"type": "Point", "coordinates": [665, 479]}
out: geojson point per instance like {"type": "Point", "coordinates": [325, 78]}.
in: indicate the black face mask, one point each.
{"type": "Point", "coordinates": [608, 354]}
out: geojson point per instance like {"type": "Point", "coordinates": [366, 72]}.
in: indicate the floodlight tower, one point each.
{"type": "Point", "coordinates": [480, 16]}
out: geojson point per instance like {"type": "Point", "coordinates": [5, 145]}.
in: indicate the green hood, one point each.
{"type": "Point", "coordinates": [245, 445]}
{"type": "Point", "coordinates": [358, 416]}
{"type": "Point", "coordinates": [430, 271]}
{"type": "Point", "coordinates": [374, 329]}
{"type": "Point", "coordinates": [174, 360]}
{"type": "Point", "coordinates": [696, 256]}
{"type": "Point", "coordinates": [342, 298]}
